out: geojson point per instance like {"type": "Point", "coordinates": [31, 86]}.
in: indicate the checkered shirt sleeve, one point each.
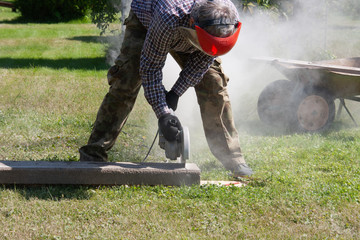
{"type": "Point", "coordinates": [157, 45]}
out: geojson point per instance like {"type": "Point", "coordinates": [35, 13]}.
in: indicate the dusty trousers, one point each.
{"type": "Point", "coordinates": [125, 83]}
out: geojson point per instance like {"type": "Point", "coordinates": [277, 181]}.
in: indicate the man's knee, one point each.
{"type": "Point", "coordinates": [123, 76]}
{"type": "Point", "coordinates": [214, 81]}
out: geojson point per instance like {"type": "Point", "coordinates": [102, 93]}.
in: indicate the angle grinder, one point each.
{"type": "Point", "coordinates": [178, 149]}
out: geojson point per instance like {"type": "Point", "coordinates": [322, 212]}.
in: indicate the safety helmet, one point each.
{"type": "Point", "coordinates": [209, 44]}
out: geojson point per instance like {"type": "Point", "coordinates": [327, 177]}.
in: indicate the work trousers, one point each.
{"type": "Point", "coordinates": [125, 83]}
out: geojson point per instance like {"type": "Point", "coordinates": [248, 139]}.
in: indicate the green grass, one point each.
{"type": "Point", "coordinates": [53, 79]}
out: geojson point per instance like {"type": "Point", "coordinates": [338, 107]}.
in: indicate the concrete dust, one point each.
{"type": "Point", "coordinates": [307, 35]}
{"type": "Point", "coordinates": [224, 183]}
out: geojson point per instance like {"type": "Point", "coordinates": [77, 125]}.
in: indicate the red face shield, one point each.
{"type": "Point", "coordinates": [209, 44]}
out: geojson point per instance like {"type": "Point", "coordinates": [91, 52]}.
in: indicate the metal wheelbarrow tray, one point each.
{"type": "Point", "coordinates": [304, 102]}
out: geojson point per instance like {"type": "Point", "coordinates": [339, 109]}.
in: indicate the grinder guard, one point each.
{"type": "Point", "coordinates": [179, 148]}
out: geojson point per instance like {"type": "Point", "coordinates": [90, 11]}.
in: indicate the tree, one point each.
{"type": "Point", "coordinates": [52, 10]}
{"type": "Point", "coordinates": [105, 12]}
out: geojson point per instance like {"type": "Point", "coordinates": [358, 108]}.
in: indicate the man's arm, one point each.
{"type": "Point", "coordinates": [194, 69]}
{"type": "Point", "coordinates": [153, 56]}
{"type": "Point", "coordinates": [156, 47]}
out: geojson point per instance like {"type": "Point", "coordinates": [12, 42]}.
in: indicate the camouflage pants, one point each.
{"type": "Point", "coordinates": [125, 83]}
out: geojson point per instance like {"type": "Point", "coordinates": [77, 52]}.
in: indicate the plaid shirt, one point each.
{"type": "Point", "coordinates": [162, 18]}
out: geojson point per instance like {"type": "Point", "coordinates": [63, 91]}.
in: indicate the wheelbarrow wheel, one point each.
{"type": "Point", "coordinates": [315, 110]}
{"type": "Point", "coordinates": [274, 107]}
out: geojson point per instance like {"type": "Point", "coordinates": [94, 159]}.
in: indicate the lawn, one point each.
{"type": "Point", "coordinates": [52, 81]}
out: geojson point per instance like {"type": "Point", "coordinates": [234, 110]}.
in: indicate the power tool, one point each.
{"type": "Point", "coordinates": [179, 149]}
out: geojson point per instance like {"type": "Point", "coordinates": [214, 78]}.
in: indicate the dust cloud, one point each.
{"type": "Point", "coordinates": [114, 41]}
{"type": "Point", "coordinates": [305, 33]}
{"type": "Point", "coordinates": [306, 30]}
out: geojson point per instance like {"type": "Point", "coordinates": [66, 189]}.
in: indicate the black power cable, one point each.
{"type": "Point", "coordinates": [157, 133]}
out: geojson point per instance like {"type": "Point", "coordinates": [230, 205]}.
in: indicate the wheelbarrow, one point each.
{"type": "Point", "coordinates": [304, 102]}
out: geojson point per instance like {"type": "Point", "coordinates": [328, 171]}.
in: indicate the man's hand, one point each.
{"type": "Point", "coordinates": [170, 126]}
{"type": "Point", "coordinates": [172, 99]}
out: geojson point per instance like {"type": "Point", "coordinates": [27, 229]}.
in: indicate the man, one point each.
{"type": "Point", "coordinates": [194, 33]}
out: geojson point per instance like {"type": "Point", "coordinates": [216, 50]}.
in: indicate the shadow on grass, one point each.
{"type": "Point", "coordinates": [52, 192]}
{"type": "Point", "coordinates": [18, 20]}
{"type": "Point", "coordinates": [97, 63]}
{"type": "Point", "coordinates": [22, 20]}
{"type": "Point", "coordinates": [92, 39]}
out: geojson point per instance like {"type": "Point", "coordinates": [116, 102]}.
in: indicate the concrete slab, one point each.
{"type": "Point", "coordinates": [95, 173]}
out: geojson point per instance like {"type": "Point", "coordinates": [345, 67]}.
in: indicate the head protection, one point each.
{"type": "Point", "coordinates": [216, 27]}
{"type": "Point", "coordinates": [209, 44]}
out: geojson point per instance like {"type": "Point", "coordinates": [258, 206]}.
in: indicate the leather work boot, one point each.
{"type": "Point", "coordinates": [90, 153]}
{"type": "Point", "coordinates": [242, 170]}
